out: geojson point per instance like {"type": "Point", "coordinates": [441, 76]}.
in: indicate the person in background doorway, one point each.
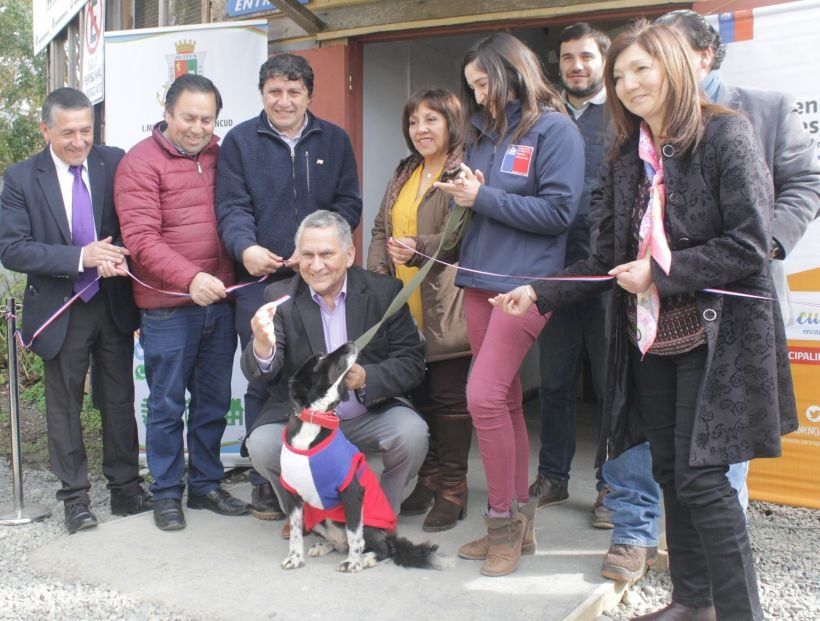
{"type": "Point", "coordinates": [579, 328]}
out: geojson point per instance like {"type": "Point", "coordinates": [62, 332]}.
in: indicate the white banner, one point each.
{"type": "Point", "coordinates": [92, 73]}
{"type": "Point", "coordinates": [49, 17]}
{"type": "Point", "coordinates": [140, 65]}
{"type": "Point", "coordinates": [235, 417]}
{"type": "Point", "coordinates": [775, 47]}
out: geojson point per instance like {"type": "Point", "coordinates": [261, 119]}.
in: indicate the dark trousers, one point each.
{"type": "Point", "coordinates": [570, 330]}
{"type": "Point", "coordinates": [442, 400]}
{"type": "Point", "coordinates": [248, 301]}
{"type": "Point", "coordinates": [710, 556]}
{"type": "Point", "coordinates": [91, 332]}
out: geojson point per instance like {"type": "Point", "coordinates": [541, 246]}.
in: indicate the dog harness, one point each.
{"type": "Point", "coordinates": [321, 472]}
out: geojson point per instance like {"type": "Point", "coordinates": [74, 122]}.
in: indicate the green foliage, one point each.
{"type": "Point", "coordinates": [23, 79]}
{"type": "Point", "coordinates": [29, 365]}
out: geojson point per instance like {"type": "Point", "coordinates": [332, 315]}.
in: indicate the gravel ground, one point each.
{"type": "Point", "coordinates": [26, 595]}
{"type": "Point", "coordinates": [786, 544]}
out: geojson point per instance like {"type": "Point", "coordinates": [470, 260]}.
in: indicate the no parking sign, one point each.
{"type": "Point", "coordinates": [93, 64]}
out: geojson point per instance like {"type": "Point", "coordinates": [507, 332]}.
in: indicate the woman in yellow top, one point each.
{"type": "Point", "coordinates": [413, 212]}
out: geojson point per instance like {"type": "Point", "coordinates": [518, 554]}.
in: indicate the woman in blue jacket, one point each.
{"type": "Point", "coordinates": [522, 175]}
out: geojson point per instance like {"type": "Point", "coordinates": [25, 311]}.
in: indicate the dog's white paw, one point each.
{"type": "Point", "coordinates": [369, 560]}
{"type": "Point", "coordinates": [349, 567]}
{"type": "Point", "coordinates": [320, 548]}
{"type": "Point", "coordinates": [293, 561]}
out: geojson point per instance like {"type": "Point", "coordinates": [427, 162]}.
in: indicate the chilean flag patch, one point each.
{"type": "Point", "coordinates": [517, 160]}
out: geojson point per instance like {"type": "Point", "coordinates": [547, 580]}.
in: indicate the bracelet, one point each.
{"type": "Point", "coordinates": [531, 293]}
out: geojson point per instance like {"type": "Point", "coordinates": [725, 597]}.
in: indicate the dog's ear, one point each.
{"type": "Point", "coordinates": [302, 381]}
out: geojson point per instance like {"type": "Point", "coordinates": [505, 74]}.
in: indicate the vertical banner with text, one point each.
{"type": "Point", "coordinates": [760, 42]}
{"type": "Point", "coordinates": [92, 73]}
{"type": "Point", "coordinates": [140, 65]}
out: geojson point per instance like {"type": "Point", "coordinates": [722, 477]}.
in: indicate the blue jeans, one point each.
{"type": "Point", "coordinates": [187, 347]}
{"type": "Point", "coordinates": [634, 497]}
{"type": "Point", "coordinates": [737, 479]}
{"type": "Point", "coordinates": [569, 329]}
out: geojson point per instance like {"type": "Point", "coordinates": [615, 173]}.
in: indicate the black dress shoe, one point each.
{"type": "Point", "coordinates": [219, 501]}
{"type": "Point", "coordinates": [79, 517]}
{"type": "Point", "coordinates": [168, 514]}
{"type": "Point", "coordinates": [265, 504]}
{"type": "Point", "coordinates": [140, 502]}
{"type": "Point", "coordinates": [679, 612]}
{"type": "Point", "coordinates": [548, 491]}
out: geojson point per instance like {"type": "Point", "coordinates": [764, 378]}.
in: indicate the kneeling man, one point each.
{"type": "Point", "coordinates": [332, 302]}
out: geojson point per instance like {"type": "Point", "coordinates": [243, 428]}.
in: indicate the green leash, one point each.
{"type": "Point", "coordinates": [457, 220]}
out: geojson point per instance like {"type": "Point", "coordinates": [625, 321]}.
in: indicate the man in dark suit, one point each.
{"type": "Point", "coordinates": [333, 302]}
{"type": "Point", "coordinates": [58, 226]}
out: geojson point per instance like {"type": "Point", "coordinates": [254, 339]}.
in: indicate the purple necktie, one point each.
{"type": "Point", "coordinates": [82, 230]}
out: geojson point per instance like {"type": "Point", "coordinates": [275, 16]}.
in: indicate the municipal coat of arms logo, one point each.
{"type": "Point", "coordinates": [186, 60]}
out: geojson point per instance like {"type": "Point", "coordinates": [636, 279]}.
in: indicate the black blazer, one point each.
{"type": "Point", "coordinates": [35, 239]}
{"type": "Point", "coordinates": [719, 200]}
{"type": "Point", "coordinates": [393, 360]}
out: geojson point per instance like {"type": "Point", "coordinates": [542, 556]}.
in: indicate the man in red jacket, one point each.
{"type": "Point", "coordinates": [164, 192]}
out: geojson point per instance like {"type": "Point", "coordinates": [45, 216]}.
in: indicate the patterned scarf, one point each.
{"type": "Point", "coordinates": [651, 240]}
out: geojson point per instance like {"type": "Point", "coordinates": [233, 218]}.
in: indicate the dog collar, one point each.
{"type": "Point", "coordinates": [329, 420]}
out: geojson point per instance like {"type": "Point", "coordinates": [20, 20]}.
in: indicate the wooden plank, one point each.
{"type": "Point", "coordinates": [397, 15]}
{"type": "Point", "coordinates": [300, 15]}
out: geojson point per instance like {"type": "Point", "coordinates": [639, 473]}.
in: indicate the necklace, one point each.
{"type": "Point", "coordinates": [431, 174]}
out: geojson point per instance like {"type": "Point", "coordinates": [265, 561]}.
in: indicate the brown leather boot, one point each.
{"type": "Point", "coordinates": [454, 434]}
{"type": "Point", "coordinates": [422, 496]}
{"type": "Point", "coordinates": [504, 536]}
{"type": "Point", "coordinates": [449, 508]}
{"type": "Point", "coordinates": [679, 612]}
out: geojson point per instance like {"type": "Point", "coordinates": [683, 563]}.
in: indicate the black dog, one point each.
{"type": "Point", "coordinates": [326, 477]}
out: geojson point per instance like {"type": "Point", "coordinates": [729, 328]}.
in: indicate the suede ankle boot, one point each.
{"type": "Point", "coordinates": [477, 550]}
{"type": "Point", "coordinates": [528, 543]}
{"type": "Point", "coordinates": [504, 536]}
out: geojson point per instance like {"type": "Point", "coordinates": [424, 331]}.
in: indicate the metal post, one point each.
{"type": "Point", "coordinates": [17, 513]}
